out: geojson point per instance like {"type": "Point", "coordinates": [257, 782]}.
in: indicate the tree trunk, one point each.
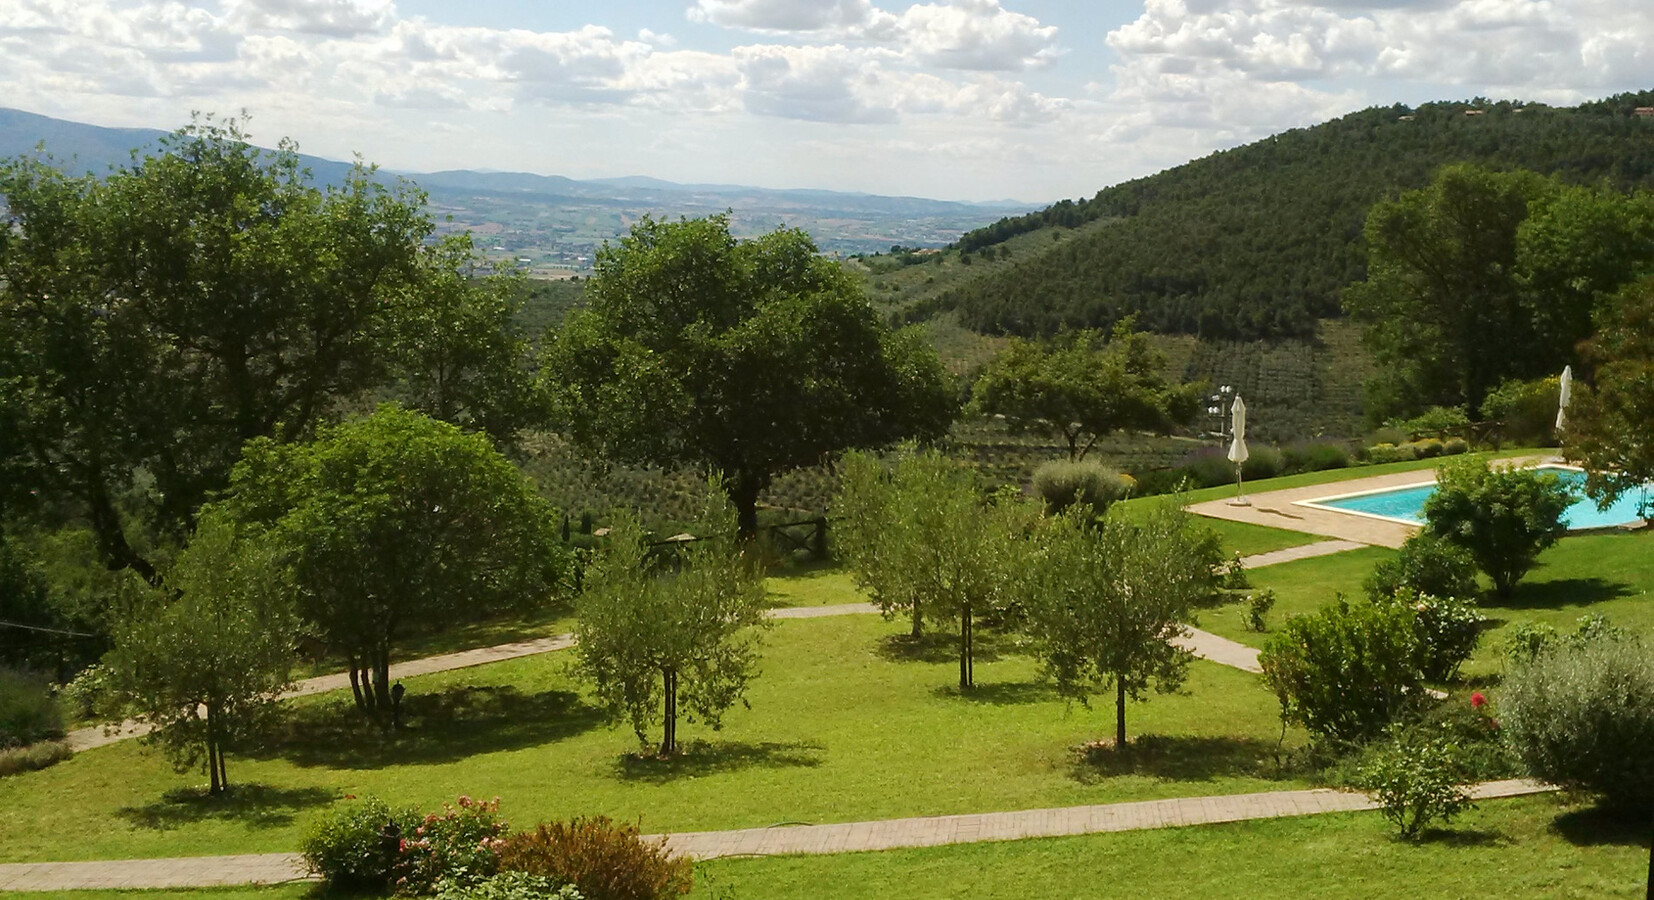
{"type": "Point", "coordinates": [669, 735]}
{"type": "Point", "coordinates": [356, 684]}
{"type": "Point", "coordinates": [743, 492]}
{"type": "Point", "coordinates": [1119, 713]}
{"type": "Point", "coordinates": [918, 620]}
{"type": "Point", "coordinates": [214, 787]}
{"type": "Point", "coordinates": [382, 678]}
{"type": "Point", "coordinates": [965, 680]}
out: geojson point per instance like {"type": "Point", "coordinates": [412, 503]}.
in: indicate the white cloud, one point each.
{"type": "Point", "coordinates": [976, 34]}
{"type": "Point", "coordinates": [822, 84]}
{"type": "Point", "coordinates": [326, 18]}
{"type": "Point", "coordinates": [836, 17]}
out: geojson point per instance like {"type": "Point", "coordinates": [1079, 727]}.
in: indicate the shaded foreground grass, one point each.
{"type": "Point", "coordinates": [841, 729]}
{"type": "Point", "coordinates": [1515, 848]}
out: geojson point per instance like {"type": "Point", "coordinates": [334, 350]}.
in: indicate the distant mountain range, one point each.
{"type": "Point", "coordinates": [556, 222]}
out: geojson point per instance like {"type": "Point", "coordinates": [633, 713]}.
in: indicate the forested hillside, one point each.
{"type": "Point", "coordinates": [1258, 241]}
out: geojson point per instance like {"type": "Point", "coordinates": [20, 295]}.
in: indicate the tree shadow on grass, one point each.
{"type": "Point", "coordinates": [942, 647]}
{"type": "Point", "coordinates": [436, 728]}
{"type": "Point", "coordinates": [1562, 593]}
{"type": "Point", "coordinates": [1598, 825]}
{"type": "Point", "coordinates": [255, 805]}
{"type": "Point", "coordinates": [700, 758]}
{"type": "Point", "coordinates": [1180, 758]}
{"type": "Point", "coordinates": [1463, 837]}
{"type": "Point", "coordinates": [1004, 693]}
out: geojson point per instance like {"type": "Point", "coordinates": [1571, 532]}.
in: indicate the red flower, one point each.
{"type": "Point", "coordinates": [1477, 700]}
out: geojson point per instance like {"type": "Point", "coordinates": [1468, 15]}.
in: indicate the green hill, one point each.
{"type": "Point", "coordinates": [1258, 241]}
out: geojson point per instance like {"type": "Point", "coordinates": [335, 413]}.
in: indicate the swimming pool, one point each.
{"type": "Point", "coordinates": [1406, 504]}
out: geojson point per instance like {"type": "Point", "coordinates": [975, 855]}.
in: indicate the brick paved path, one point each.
{"type": "Point", "coordinates": [889, 834]}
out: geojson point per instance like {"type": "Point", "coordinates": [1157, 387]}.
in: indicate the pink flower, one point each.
{"type": "Point", "coordinates": [402, 846]}
{"type": "Point", "coordinates": [1477, 700]}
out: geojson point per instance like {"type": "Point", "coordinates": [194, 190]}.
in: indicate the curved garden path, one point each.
{"type": "Point", "coordinates": [847, 837]}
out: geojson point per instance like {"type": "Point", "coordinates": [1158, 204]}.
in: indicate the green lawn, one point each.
{"type": "Point", "coordinates": [1605, 574]}
{"type": "Point", "coordinates": [846, 724]}
{"type": "Point", "coordinates": [1531, 847]}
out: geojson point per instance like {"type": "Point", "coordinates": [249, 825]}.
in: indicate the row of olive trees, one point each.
{"type": "Point", "coordinates": [1100, 596]}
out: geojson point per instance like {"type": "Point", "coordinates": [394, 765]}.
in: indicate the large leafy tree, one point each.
{"type": "Point", "coordinates": [1080, 387]}
{"type": "Point", "coordinates": [1611, 427]}
{"type": "Point", "coordinates": [396, 522]}
{"type": "Point", "coordinates": [1105, 599]}
{"type": "Point", "coordinates": [1485, 276]}
{"type": "Point", "coordinates": [748, 358]}
{"type": "Point", "coordinates": [922, 539]}
{"type": "Point", "coordinates": [154, 320]}
{"type": "Point", "coordinates": [664, 636]}
{"type": "Point", "coordinates": [206, 657]}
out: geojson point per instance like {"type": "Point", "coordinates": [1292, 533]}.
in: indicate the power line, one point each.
{"type": "Point", "coordinates": [46, 630]}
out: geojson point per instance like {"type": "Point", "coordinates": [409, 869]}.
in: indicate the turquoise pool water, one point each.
{"type": "Point", "coordinates": [1407, 504]}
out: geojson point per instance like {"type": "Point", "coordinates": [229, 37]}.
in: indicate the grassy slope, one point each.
{"type": "Point", "coordinates": [838, 731]}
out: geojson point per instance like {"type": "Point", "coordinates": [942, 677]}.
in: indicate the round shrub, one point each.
{"type": "Point", "coordinates": [1415, 780]}
{"type": "Point", "coordinates": [347, 845]}
{"type": "Point", "coordinates": [1389, 453]}
{"type": "Point", "coordinates": [1428, 448]}
{"type": "Point", "coordinates": [604, 861]}
{"type": "Point", "coordinates": [1345, 672]}
{"type": "Point", "coordinates": [28, 713]}
{"type": "Point", "coordinates": [455, 846]}
{"type": "Point", "coordinates": [1262, 461]}
{"type": "Point", "coordinates": [1424, 565]}
{"type": "Point", "coordinates": [1454, 446]}
{"type": "Point", "coordinates": [1448, 630]}
{"type": "Point", "coordinates": [1315, 456]}
{"type": "Point", "coordinates": [1062, 483]}
{"type": "Point", "coordinates": [1580, 713]}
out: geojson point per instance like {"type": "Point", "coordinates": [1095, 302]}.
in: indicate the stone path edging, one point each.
{"type": "Point", "coordinates": [888, 834]}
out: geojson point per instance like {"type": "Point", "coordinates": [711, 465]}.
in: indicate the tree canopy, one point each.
{"type": "Point", "coordinates": [1485, 276]}
{"type": "Point", "coordinates": [395, 522]}
{"type": "Point", "coordinates": [922, 539]}
{"type": "Point", "coordinates": [204, 658]}
{"type": "Point", "coordinates": [678, 630]}
{"type": "Point", "coordinates": [1105, 599]}
{"type": "Point", "coordinates": [154, 320]}
{"type": "Point", "coordinates": [748, 358]}
{"type": "Point", "coordinates": [1610, 427]}
{"type": "Point", "coordinates": [1081, 386]}
{"type": "Point", "coordinates": [1502, 516]}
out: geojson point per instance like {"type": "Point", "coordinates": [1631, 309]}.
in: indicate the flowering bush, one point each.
{"type": "Point", "coordinates": [348, 844]}
{"type": "Point", "coordinates": [1448, 630]}
{"type": "Point", "coordinates": [1258, 605]}
{"type": "Point", "coordinates": [454, 847]}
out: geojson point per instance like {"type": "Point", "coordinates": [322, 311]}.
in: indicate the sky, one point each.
{"type": "Point", "coordinates": [1033, 100]}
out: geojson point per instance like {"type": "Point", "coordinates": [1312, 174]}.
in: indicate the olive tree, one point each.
{"type": "Point", "coordinates": [1106, 598]}
{"type": "Point", "coordinates": [922, 539]}
{"type": "Point", "coordinates": [396, 522]}
{"type": "Point", "coordinates": [662, 636]}
{"type": "Point", "coordinates": [204, 659]}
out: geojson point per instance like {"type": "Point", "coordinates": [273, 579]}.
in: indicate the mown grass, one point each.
{"type": "Point", "coordinates": [848, 722]}
{"type": "Point", "coordinates": [1537, 847]}
{"type": "Point", "coordinates": [1601, 574]}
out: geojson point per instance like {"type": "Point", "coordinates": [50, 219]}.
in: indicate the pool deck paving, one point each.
{"type": "Point", "coordinates": [846, 837]}
{"type": "Point", "coordinates": [1282, 509]}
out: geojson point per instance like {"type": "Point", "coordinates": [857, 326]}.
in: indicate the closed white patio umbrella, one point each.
{"type": "Point", "coordinates": [1237, 448]}
{"type": "Point", "coordinates": [1566, 396]}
